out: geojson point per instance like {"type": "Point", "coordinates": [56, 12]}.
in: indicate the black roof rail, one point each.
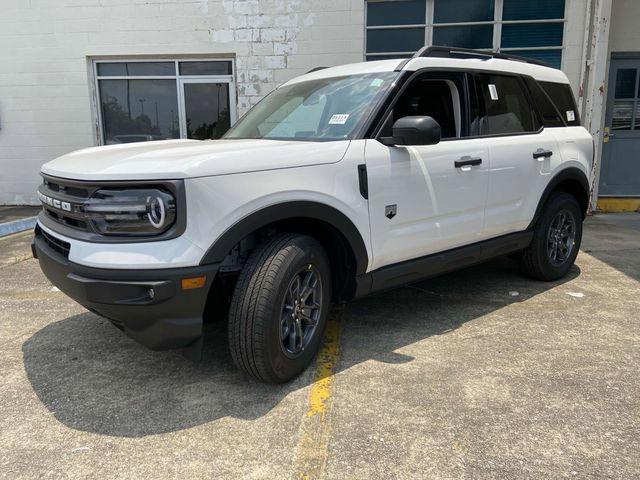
{"type": "Point", "coordinates": [518, 58]}
{"type": "Point", "coordinates": [315, 69]}
{"type": "Point", "coordinates": [454, 52]}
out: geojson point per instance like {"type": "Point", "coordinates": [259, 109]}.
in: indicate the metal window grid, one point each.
{"type": "Point", "coordinates": [497, 23]}
{"type": "Point", "coordinates": [179, 78]}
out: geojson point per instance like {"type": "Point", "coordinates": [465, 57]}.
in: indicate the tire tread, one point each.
{"type": "Point", "coordinates": [534, 262]}
{"type": "Point", "coordinates": [248, 311]}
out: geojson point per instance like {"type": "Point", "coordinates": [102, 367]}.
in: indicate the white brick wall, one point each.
{"type": "Point", "coordinates": [45, 96]}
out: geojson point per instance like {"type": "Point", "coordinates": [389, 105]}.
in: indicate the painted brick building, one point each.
{"type": "Point", "coordinates": [78, 73]}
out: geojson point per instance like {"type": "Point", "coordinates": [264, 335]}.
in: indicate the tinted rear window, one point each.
{"type": "Point", "coordinates": [561, 95]}
{"type": "Point", "coordinates": [550, 115]}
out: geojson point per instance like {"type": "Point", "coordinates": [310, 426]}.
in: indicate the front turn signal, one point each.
{"type": "Point", "coordinates": [195, 282]}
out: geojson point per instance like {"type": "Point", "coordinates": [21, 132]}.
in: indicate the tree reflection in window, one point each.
{"type": "Point", "coordinates": [207, 110]}
{"type": "Point", "coordinates": [139, 110]}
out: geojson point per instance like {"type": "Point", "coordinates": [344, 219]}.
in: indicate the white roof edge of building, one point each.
{"type": "Point", "coordinates": [539, 72]}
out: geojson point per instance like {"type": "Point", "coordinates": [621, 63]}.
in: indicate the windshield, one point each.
{"type": "Point", "coordinates": [324, 109]}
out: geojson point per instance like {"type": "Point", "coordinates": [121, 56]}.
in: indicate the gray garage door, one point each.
{"type": "Point", "coordinates": [620, 172]}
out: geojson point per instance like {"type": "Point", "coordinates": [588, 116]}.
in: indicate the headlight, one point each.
{"type": "Point", "coordinates": [143, 211]}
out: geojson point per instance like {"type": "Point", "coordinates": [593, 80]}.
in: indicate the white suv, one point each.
{"type": "Point", "coordinates": [342, 182]}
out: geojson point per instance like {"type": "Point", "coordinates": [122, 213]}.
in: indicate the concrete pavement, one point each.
{"type": "Point", "coordinates": [481, 373]}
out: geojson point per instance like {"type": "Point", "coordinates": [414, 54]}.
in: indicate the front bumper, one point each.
{"type": "Point", "coordinates": [149, 305]}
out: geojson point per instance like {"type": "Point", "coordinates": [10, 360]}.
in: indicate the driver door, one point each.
{"type": "Point", "coordinates": [425, 199]}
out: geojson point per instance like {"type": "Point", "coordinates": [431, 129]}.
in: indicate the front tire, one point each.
{"type": "Point", "coordinates": [556, 239]}
{"type": "Point", "coordinates": [279, 308]}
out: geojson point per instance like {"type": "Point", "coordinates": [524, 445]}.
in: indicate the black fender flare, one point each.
{"type": "Point", "coordinates": [284, 211]}
{"type": "Point", "coordinates": [571, 173]}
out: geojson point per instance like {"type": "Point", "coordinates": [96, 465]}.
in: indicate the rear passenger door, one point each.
{"type": "Point", "coordinates": [522, 153]}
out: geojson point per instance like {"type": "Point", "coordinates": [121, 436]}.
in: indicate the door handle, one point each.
{"type": "Point", "coordinates": [468, 162]}
{"type": "Point", "coordinates": [542, 153]}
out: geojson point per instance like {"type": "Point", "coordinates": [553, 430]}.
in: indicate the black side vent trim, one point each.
{"type": "Point", "coordinates": [363, 181]}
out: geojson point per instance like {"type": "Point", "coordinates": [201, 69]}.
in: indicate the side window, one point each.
{"type": "Point", "coordinates": [438, 96]}
{"type": "Point", "coordinates": [561, 95]}
{"type": "Point", "coordinates": [504, 106]}
{"type": "Point", "coordinates": [550, 115]}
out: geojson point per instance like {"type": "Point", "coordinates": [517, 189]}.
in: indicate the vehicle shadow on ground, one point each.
{"type": "Point", "coordinates": [93, 378]}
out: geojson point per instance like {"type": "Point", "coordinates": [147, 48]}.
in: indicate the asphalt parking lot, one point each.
{"type": "Point", "coordinates": [478, 374]}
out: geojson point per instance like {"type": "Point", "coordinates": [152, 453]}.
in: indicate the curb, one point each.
{"type": "Point", "coordinates": [16, 226]}
{"type": "Point", "coordinates": [618, 204]}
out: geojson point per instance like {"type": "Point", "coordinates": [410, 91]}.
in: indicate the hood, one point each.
{"type": "Point", "coordinates": [177, 159]}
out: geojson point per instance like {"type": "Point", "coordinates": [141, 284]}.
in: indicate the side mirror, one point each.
{"type": "Point", "coordinates": [414, 130]}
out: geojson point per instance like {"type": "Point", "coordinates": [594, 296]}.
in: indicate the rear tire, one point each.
{"type": "Point", "coordinates": [279, 308]}
{"type": "Point", "coordinates": [556, 239]}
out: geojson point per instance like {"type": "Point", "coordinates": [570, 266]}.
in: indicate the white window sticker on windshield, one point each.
{"type": "Point", "coordinates": [493, 92]}
{"type": "Point", "coordinates": [376, 82]}
{"type": "Point", "coordinates": [570, 116]}
{"type": "Point", "coordinates": [339, 119]}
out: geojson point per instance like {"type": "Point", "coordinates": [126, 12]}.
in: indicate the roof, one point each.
{"type": "Point", "coordinates": [539, 72]}
{"type": "Point", "coordinates": [482, 61]}
{"type": "Point", "coordinates": [349, 69]}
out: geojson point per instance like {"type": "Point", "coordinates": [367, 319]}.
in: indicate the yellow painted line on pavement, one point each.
{"type": "Point", "coordinates": [17, 259]}
{"type": "Point", "coordinates": [322, 388]}
{"type": "Point", "coordinates": [315, 428]}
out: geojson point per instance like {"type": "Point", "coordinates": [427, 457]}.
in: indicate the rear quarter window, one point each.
{"type": "Point", "coordinates": [549, 114]}
{"type": "Point", "coordinates": [561, 95]}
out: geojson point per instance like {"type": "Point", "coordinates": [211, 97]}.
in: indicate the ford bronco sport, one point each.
{"type": "Point", "coordinates": [342, 182]}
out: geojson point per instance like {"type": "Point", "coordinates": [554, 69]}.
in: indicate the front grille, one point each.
{"type": "Point", "coordinates": [74, 193]}
{"type": "Point", "coordinates": [58, 186]}
{"type": "Point", "coordinates": [66, 219]}
{"type": "Point", "coordinates": [56, 244]}
{"type": "Point", "coordinates": [64, 205]}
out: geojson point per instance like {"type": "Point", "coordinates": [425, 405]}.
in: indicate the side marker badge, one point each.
{"type": "Point", "coordinates": [390, 211]}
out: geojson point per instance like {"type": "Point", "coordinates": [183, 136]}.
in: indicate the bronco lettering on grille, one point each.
{"type": "Point", "coordinates": [54, 202]}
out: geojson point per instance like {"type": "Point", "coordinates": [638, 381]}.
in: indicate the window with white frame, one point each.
{"type": "Point", "coordinates": [533, 29]}
{"type": "Point", "coordinates": [143, 100]}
